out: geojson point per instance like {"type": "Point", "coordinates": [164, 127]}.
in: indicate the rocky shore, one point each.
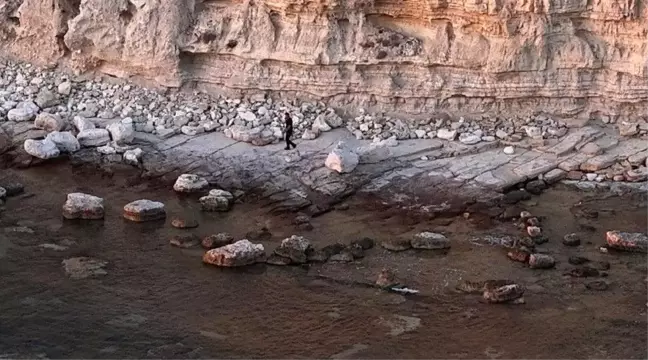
{"type": "Point", "coordinates": [438, 165]}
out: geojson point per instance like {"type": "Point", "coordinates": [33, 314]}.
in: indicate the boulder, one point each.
{"type": "Point", "coordinates": [571, 240]}
{"type": "Point", "coordinates": [215, 203]}
{"type": "Point", "coordinates": [184, 223]}
{"type": "Point", "coordinates": [294, 248]}
{"type": "Point", "coordinates": [541, 261]}
{"type": "Point", "coordinates": [373, 153]}
{"type": "Point", "coordinates": [65, 141]}
{"type": "Point", "coordinates": [518, 255]}
{"type": "Point", "coordinates": [82, 124]}
{"type": "Point", "coordinates": [534, 231]}
{"type": "Point", "coordinates": [65, 88]}
{"type": "Point", "coordinates": [190, 183]}
{"type": "Point", "coordinates": [430, 241]}
{"type": "Point", "coordinates": [626, 241]}
{"type": "Point", "coordinates": [144, 210]}
{"type": "Point", "coordinates": [93, 137]}
{"type": "Point", "coordinates": [365, 243]}
{"type": "Point", "coordinates": [240, 253]}
{"type": "Point", "coordinates": [446, 134]}
{"type": "Point", "coordinates": [133, 157]}
{"type": "Point", "coordinates": [121, 132]}
{"type": "Point", "coordinates": [222, 193]}
{"type": "Point", "coordinates": [216, 240]}
{"type": "Point", "coordinates": [24, 111]}
{"type": "Point", "coordinates": [46, 99]}
{"type": "Point", "coordinates": [258, 136]}
{"type": "Point", "coordinates": [13, 189]}
{"type": "Point", "coordinates": [42, 149]}
{"type": "Point", "coordinates": [320, 124]}
{"type": "Point", "coordinates": [310, 134]}
{"type": "Point", "coordinates": [49, 122]}
{"type": "Point", "coordinates": [83, 206]}
{"type": "Point", "coordinates": [342, 159]}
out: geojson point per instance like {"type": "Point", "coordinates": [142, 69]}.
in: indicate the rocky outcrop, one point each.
{"type": "Point", "coordinates": [565, 57]}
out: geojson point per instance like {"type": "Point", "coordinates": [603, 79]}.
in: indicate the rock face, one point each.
{"type": "Point", "coordinates": [240, 253]}
{"type": "Point", "coordinates": [144, 210]}
{"type": "Point", "coordinates": [558, 55]}
{"type": "Point", "coordinates": [83, 206]}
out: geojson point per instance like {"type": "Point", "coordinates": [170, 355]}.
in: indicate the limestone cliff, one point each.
{"type": "Point", "coordinates": [573, 58]}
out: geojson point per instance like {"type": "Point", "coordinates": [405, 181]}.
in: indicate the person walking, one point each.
{"type": "Point", "coordinates": [289, 132]}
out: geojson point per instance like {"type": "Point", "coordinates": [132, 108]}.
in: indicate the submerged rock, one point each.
{"type": "Point", "coordinates": [430, 241]}
{"type": "Point", "coordinates": [365, 243]}
{"type": "Point", "coordinates": [83, 206]}
{"type": "Point", "coordinates": [144, 210]}
{"type": "Point", "coordinates": [571, 240]}
{"type": "Point", "coordinates": [42, 149]}
{"type": "Point", "coordinates": [217, 240]}
{"type": "Point", "coordinates": [184, 241]}
{"type": "Point", "coordinates": [240, 253]}
{"type": "Point", "coordinates": [541, 261]}
{"type": "Point", "coordinates": [84, 267]}
{"type": "Point", "coordinates": [184, 223]}
{"type": "Point", "coordinates": [190, 183]}
{"type": "Point", "coordinates": [294, 248]}
{"type": "Point", "coordinates": [396, 244]}
{"type": "Point", "coordinates": [637, 242]}
{"type": "Point", "coordinates": [502, 294]}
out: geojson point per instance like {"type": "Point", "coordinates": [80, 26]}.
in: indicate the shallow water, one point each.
{"type": "Point", "coordinates": [160, 301]}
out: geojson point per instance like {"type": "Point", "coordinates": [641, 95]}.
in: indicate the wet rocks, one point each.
{"type": "Point", "coordinates": [294, 248]}
{"type": "Point", "coordinates": [342, 159]}
{"type": "Point", "coordinates": [536, 187]}
{"type": "Point", "coordinates": [534, 231]}
{"type": "Point", "coordinates": [365, 243]}
{"type": "Point", "coordinates": [518, 255]}
{"type": "Point", "coordinates": [216, 240]}
{"type": "Point", "coordinates": [541, 261]}
{"type": "Point", "coordinates": [584, 271]}
{"type": "Point", "coordinates": [144, 210]}
{"type": "Point", "coordinates": [49, 122]}
{"type": "Point", "coordinates": [83, 206]}
{"type": "Point", "coordinates": [42, 149]}
{"type": "Point", "coordinates": [217, 200]}
{"type": "Point", "coordinates": [626, 241]}
{"type": "Point", "coordinates": [430, 241]}
{"type": "Point", "coordinates": [184, 241]}
{"type": "Point", "coordinates": [577, 260]}
{"type": "Point", "coordinates": [303, 223]}
{"type": "Point", "coordinates": [93, 137]}
{"type": "Point", "coordinates": [84, 267]}
{"type": "Point", "coordinates": [571, 240]}
{"type": "Point", "coordinates": [65, 141]}
{"type": "Point", "coordinates": [13, 189]}
{"type": "Point", "coordinates": [277, 260]}
{"type": "Point", "coordinates": [190, 183]}
{"type": "Point", "coordinates": [240, 253]}
{"type": "Point", "coordinates": [344, 256]}
{"type": "Point", "coordinates": [184, 223]}
{"type": "Point", "coordinates": [597, 285]}
{"type": "Point", "coordinates": [396, 244]}
{"type": "Point", "coordinates": [503, 294]}
{"type": "Point", "coordinates": [262, 234]}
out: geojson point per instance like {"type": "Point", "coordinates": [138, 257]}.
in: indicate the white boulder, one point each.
{"type": "Point", "coordinates": [133, 157]}
{"type": "Point", "coordinates": [65, 141]}
{"type": "Point", "coordinates": [342, 159]}
{"type": "Point", "coordinates": [121, 132]}
{"type": "Point", "coordinates": [42, 149]}
{"type": "Point", "coordinates": [189, 183]}
{"type": "Point", "coordinates": [240, 253]}
{"type": "Point", "coordinates": [82, 124]}
{"type": "Point", "coordinates": [49, 122]}
{"type": "Point", "coordinates": [83, 206]}
{"type": "Point", "coordinates": [24, 111]}
{"type": "Point", "coordinates": [93, 137]}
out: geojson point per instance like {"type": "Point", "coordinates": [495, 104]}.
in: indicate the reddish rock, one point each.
{"type": "Point", "coordinates": [506, 293]}
{"type": "Point", "coordinates": [144, 210]}
{"type": "Point", "coordinates": [574, 175]}
{"type": "Point", "coordinates": [626, 241]}
{"type": "Point", "coordinates": [217, 240]}
{"type": "Point", "coordinates": [240, 253]}
{"type": "Point", "coordinates": [185, 241]}
{"type": "Point", "coordinates": [518, 255]}
{"type": "Point", "coordinates": [534, 231]}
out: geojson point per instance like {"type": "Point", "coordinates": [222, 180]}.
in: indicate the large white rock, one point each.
{"type": "Point", "coordinates": [82, 123]}
{"type": "Point", "coordinates": [373, 153]}
{"type": "Point", "coordinates": [93, 137]}
{"type": "Point", "coordinates": [310, 134]}
{"type": "Point", "coordinates": [83, 206]}
{"type": "Point", "coordinates": [258, 136]}
{"type": "Point", "coordinates": [446, 134]}
{"type": "Point", "coordinates": [247, 116]}
{"type": "Point", "coordinates": [42, 149]}
{"type": "Point", "coordinates": [320, 124]}
{"type": "Point", "coordinates": [133, 157]}
{"type": "Point", "coordinates": [222, 193]}
{"type": "Point", "coordinates": [121, 132]}
{"type": "Point", "coordinates": [65, 88]}
{"type": "Point", "coordinates": [189, 183]}
{"type": "Point", "coordinates": [49, 122]}
{"type": "Point", "coordinates": [294, 248]}
{"type": "Point", "coordinates": [24, 111]}
{"type": "Point", "coordinates": [65, 141]}
{"type": "Point", "coordinates": [215, 203]}
{"type": "Point", "coordinates": [342, 159]}
{"type": "Point", "coordinates": [469, 139]}
{"type": "Point", "coordinates": [240, 253]}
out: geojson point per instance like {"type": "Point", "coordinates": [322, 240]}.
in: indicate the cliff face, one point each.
{"type": "Point", "coordinates": [575, 58]}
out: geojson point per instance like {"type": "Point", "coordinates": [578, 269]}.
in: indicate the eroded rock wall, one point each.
{"type": "Point", "coordinates": [572, 58]}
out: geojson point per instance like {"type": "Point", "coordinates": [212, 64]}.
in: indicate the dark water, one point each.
{"type": "Point", "coordinates": [159, 301]}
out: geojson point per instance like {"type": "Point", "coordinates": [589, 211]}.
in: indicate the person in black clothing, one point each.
{"type": "Point", "coordinates": [289, 132]}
